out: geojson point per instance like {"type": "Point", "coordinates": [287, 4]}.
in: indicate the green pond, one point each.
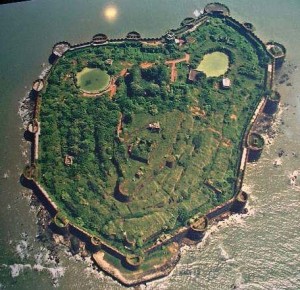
{"type": "Point", "coordinates": [92, 80]}
{"type": "Point", "coordinates": [214, 64]}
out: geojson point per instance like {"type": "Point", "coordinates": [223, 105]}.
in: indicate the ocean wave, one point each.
{"type": "Point", "coordinates": [55, 272]}
{"type": "Point", "coordinates": [197, 13]}
{"type": "Point", "coordinates": [40, 261]}
{"type": "Point", "coordinates": [22, 249]}
{"type": "Point", "coordinates": [233, 220]}
{"type": "Point", "coordinates": [45, 71]}
{"type": "Point", "coordinates": [17, 269]}
{"type": "Point", "coordinates": [25, 111]}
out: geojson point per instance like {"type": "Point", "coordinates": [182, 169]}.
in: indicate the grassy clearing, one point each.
{"type": "Point", "coordinates": [214, 64]}
{"type": "Point", "coordinates": [92, 80]}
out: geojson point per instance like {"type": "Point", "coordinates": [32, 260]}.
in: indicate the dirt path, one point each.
{"type": "Point", "coordinates": [186, 58]}
{"type": "Point", "coordinates": [146, 64]}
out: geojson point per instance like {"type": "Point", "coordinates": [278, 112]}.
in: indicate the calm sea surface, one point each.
{"type": "Point", "coordinates": [258, 251]}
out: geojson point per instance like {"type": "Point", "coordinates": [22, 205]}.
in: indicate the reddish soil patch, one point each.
{"type": "Point", "coordinates": [226, 143]}
{"type": "Point", "coordinates": [196, 111]}
{"type": "Point", "coordinates": [186, 58]}
{"type": "Point", "coordinates": [233, 117]}
{"type": "Point", "coordinates": [146, 64]}
{"type": "Point", "coordinates": [113, 90]}
{"type": "Point", "coordinates": [152, 43]}
{"type": "Point", "coordinates": [123, 72]}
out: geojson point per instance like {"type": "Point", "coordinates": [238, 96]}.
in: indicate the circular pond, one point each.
{"type": "Point", "coordinates": [214, 64]}
{"type": "Point", "coordinates": [92, 80]}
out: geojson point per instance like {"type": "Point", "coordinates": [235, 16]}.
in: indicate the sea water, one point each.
{"type": "Point", "coordinates": [260, 250]}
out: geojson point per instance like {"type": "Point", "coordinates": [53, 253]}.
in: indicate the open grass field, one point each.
{"type": "Point", "coordinates": [214, 64]}
{"type": "Point", "coordinates": [92, 80]}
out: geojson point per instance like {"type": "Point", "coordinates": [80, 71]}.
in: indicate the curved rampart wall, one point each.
{"type": "Point", "coordinates": [188, 28]}
{"type": "Point", "coordinates": [217, 8]}
{"type": "Point", "coordinates": [42, 194]}
{"type": "Point", "coordinates": [250, 35]}
{"type": "Point", "coordinates": [80, 45]}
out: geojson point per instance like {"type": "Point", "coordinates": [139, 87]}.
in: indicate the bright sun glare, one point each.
{"type": "Point", "coordinates": [110, 12]}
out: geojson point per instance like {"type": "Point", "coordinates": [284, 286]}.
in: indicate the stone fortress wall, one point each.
{"type": "Point", "coordinates": [234, 205]}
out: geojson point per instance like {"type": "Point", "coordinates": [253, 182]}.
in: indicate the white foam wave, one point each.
{"type": "Point", "coordinates": [293, 177]}
{"type": "Point", "coordinates": [55, 272]}
{"type": "Point", "coordinates": [239, 281]}
{"type": "Point", "coordinates": [16, 269]}
{"type": "Point", "coordinates": [25, 109]}
{"type": "Point", "coordinates": [247, 188]}
{"type": "Point", "coordinates": [43, 261]}
{"type": "Point", "coordinates": [22, 249]}
{"type": "Point", "coordinates": [223, 253]}
{"type": "Point", "coordinates": [197, 13]}
{"type": "Point", "coordinates": [233, 220]}
{"type": "Point", "coordinates": [45, 71]}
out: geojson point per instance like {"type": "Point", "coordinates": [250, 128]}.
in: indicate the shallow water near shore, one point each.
{"type": "Point", "coordinates": [260, 250]}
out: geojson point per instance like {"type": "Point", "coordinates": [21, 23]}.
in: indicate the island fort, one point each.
{"type": "Point", "coordinates": [139, 144]}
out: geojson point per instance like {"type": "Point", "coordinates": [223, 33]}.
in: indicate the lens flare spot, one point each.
{"type": "Point", "coordinates": [110, 12]}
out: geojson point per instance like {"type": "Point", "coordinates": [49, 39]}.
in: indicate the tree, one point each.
{"type": "Point", "coordinates": [197, 141]}
{"type": "Point", "coordinates": [183, 214]}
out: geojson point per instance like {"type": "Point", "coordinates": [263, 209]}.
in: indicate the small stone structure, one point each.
{"type": "Point", "coordinates": [239, 202]}
{"type": "Point", "coordinates": [68, 160]}
{"type": "Point", "coordinates": [122, 193]}
{"type": "Point", "coordinates": [198, 228]}
{"type": "Point", "coordinates": [29, 172]}
{"type": "Point", "coordinates": [192, 75]}
{"type": "Point", "coordinates": [60, 224]}
{"type": "Point", "coordinates": [133, 35]}
{"type": "Point", "coordinates": [133, 262]}
{"type": "Point", "coordinates": [154, 127]}
{"type": "Point", "coordinates": [38, 85]}
{"type": "Point", "coordinates": [217, 8]}
{"type": "Point", "coordinates": [249, 26]}
{"type": "Point", "coordinates": [99, 38]}
{"type": "Point", "coordinates": [255, 143]}
{"type": "Point", "coordinates": [171, 161]}
{"type": "Point", "coordinates": [189, 21]}
{"type": "Point", "coordinates": [226, 83]}
{"type": "Point", "coordinates": [109, 61]}
{"type": "Point", "coordinates": [277, 51]}
{"type": "Point", "coordinates": [96, 243]}
{"type": "Point", "coordinates": [60, 48]}
{"type": "Point", "coordinates": [129, 242]}
{"type": "Point", "coordinates": [272, 103]}
{"type": "Point", "coordinates": [170, 36]}
{"type": "Point", "coordinates": [33, 126]}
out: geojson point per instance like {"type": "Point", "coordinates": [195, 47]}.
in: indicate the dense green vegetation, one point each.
{"type": "Point", "coordinates": [200, 130]}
